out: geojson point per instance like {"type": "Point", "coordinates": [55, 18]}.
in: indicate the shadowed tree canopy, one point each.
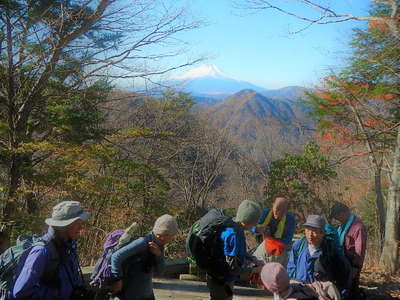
{"type": "Point", "coordinates": [301, 177]}
{"type": "Point", "coordinates": [58, 61]}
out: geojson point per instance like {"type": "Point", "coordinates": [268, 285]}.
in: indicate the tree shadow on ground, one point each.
{"type": "Point", "coordinates": [201, 287]}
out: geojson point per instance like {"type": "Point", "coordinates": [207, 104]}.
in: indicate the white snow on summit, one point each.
{"type": "Point", "coordinates": [202, 71]}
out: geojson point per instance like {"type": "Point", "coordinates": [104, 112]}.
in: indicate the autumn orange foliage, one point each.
{"type": "Point", "coordinates": [380, 25]}
{"type": "Point", "coordinates": [386, 97]}
{"type": "Point", "coordinates": [370, 123]}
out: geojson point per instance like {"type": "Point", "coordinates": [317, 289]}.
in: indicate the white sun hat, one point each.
{"type": "Point", "coordinates": [65, 213]}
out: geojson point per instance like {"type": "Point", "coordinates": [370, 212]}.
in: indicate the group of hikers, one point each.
{"type": "Point", "coordinates": [324, 264]}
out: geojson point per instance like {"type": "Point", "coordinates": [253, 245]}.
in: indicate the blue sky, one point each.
{"type": "Point", "coordinates": [258, 47]}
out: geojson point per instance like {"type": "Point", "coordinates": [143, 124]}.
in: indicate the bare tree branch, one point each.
{"type": "Point", "coordinates": [327, 15]}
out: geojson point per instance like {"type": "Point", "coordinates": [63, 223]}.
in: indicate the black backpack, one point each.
{"type": "Point", "coordinates": [203, 245]}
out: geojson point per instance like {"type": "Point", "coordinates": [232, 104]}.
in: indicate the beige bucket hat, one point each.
{"type": "Point", "coordinates": [65, 213]}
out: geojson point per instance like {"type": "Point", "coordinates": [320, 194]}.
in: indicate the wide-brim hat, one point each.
{"type": "Point", "coordinates": [66, 213]}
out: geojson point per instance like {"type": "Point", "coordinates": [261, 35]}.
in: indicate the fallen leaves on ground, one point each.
{"type": "Point", "coordinates": [378, 282]}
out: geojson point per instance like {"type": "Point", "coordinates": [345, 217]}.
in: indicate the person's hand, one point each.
{"type": "Point", "coordinates": [256, 270]}
{"type": "Point", "coordinates": [259, 262]}
{"type": "Point", "coordinates": [260, 229]}
{"type": "Point", "coordinates": [116, 286]}
{"type": "Point", "coordinates": [155, 249]}
{"type": "Point", "coordinates": [267, 232]}
{"type": "Point", "coordinates": [256, 261]}
{"type": "Point", "coordinates": [354, 272]}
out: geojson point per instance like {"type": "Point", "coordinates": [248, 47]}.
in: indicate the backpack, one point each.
{"type": "Point", "coordinates": [202, 243]}
{"type": "Point", "coordinates": [12, 259]}
{"type": "Point", "coordinates": [100, 277]}
{"type": "Point", "coordinates": [334, 263]}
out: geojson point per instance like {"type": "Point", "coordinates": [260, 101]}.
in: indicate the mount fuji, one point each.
{"type": "Point", "coordinates": [208, 81]}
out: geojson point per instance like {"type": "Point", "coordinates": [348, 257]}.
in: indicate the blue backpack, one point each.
{"type": "Point", "coordinates": [11, 261]}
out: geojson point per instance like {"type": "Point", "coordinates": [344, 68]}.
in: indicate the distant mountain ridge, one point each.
{"type": "Point", "coordinates": [208, 82]}
{"type": "Point", "coordinates": [265, 123]}
{"type": "Point", "coordinates": [289, 92]}
{"type": "Point", "coordinates": [257, 123]}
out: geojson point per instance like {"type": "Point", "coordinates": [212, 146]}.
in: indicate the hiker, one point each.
{"type": "Point", "coordinates": [276, 227]}
{"type": "Point", "coordinates": [234, 257]}
{"type": "Point", "coordinates": [353, 238]}
{"type": "Point", "coordinates": [133, 265]}
{"type": "Point", "coordinates": [52, 271]}
{"type": "Point", "coordinates": [275, 278]}
{"type": "Point", "coordinates": [318, 256]}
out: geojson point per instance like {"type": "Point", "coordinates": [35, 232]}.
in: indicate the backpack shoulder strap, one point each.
{"type": "Point", "coordinates": [49, 274]}
{"type": "Point", "coordinates": [54, 255]}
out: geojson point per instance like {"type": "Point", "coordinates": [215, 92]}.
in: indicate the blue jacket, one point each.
{"type": "Point", "coordinates": [135, 265]}
{"type": "Point", "coordinates": [327, 263]}
{"type": "Point", "coordinates": [302, 268]}
{"type": "Point", "coordinates": [233, 242]}
{"type": "Point", "coordinates": [30, 283]}
{"type": "Point", "coordinates": [290, 226]}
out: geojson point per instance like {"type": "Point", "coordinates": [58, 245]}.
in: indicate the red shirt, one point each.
{"type": "Point", "coordinates": [356, 243]}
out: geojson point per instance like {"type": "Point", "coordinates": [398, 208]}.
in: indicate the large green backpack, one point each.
{"type": "Point", "coordinates": [11, 259]}
{"type": "Point", "coordinates": [202, 243]}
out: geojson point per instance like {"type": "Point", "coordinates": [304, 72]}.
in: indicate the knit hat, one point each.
{"type": "Point", "coordinates": [275, 278]}
{"type": "Point", "coordinates": [337, 209]}
{"type": "Point", "coordinates": [248, 212]}
{"type": "Point", "coordinates": [65, 213]}
{"type": "Point", "coordinates": [165, 224]}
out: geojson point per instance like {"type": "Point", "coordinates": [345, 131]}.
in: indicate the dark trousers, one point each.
{"type": "Point", "coordinates": [355, 291]}
{"type": "Point", "coordinates": [148, 298]}
{"type": "Point", "coordinates": [219, 290]}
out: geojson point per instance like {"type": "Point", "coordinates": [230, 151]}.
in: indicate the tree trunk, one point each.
{"type": "Point", "coordinates": [380, 209]}
{"type": "Point", "coordinates": [376, 164]}
{"type": "Point", "coordinates": [10, 206]}
{"type": "Point", "coordinates": [32, 205]}
{"type": "Point", "coordinates": [390, 254]}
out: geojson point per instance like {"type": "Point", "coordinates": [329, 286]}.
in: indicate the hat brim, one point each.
{"type": "Point", "coordinates": [62, 223]}
{"type": "Point", "coordinates": [313, 226]}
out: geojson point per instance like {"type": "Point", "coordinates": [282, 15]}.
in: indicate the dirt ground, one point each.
{"type": "Point", "coordinates": [166, 289]}
{"type": "Point", "coordinates": [378, 284]}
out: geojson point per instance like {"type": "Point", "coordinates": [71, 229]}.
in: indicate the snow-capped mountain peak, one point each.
{"type": "Point", "coordinates": [202, 71]}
